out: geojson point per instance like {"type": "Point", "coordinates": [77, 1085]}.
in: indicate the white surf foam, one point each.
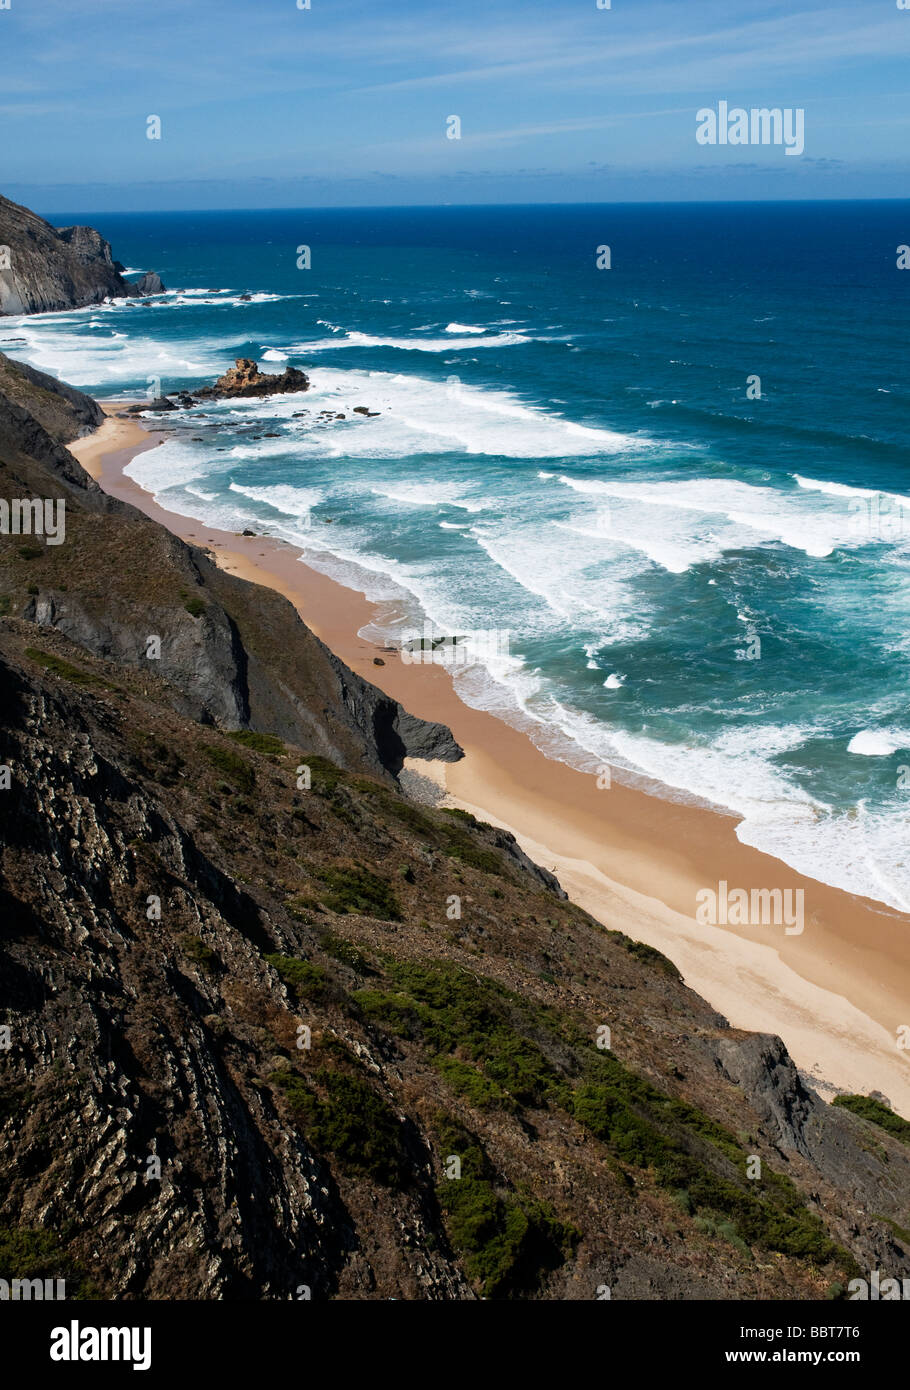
{"type": "Point", "coordinates": [355, 339]}
{"type": "Point", "coordinates": [426, 495]}
{"type": "Point", "coordinates": [292, 501]}
{"type": "Point", "coordinates": [89, 359]}
{"type": "Point", "coordinates": [814, 529]}
{"type": "Point", "coordinates": [846, 490]}
{"type": "Point", "coordinates": [879, 743]}
{"type": "Point", "coordinates": [417, 415]}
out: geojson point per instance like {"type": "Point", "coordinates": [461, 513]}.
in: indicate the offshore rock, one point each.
{"type": "Point", "coordinates": [245, 379]}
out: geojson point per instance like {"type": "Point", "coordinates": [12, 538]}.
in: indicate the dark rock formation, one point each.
{"type": "Point", "coordinates": [245, 379]}
{"type": "Point", "coordinates": [160, 403]}
{"type": "Point", "coordinates": [149, 283]}
{"type": "Point", "coordinates": [761, 1066]}
{"type": "Point", "coordinates": [51, 268]}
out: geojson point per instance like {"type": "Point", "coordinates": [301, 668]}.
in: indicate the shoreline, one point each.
{"type": "Point", "coordinates": [836, 994]}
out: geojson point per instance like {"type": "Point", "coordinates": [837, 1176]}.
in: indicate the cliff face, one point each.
{"type": "Point", "coordinates": [264, 1033]}
{"type": "Point", "coordinates": [54, 268]}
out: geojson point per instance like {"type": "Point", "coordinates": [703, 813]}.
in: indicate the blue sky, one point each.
{"type": "Point", "coordinates": [345, 104]}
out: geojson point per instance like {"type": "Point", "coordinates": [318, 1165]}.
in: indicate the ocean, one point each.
{"type": "Point", "coordinates": [665, 503]}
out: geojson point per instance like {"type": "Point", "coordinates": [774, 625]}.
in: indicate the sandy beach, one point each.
{"type": "Point", "coordinates": [837, 992]}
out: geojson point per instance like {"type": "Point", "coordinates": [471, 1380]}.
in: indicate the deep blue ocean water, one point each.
{"type": "Point", "coordinates": [698, 586]}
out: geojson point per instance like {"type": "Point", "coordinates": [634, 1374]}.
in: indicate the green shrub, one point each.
{"type": "Point", "coordinates": [486, 860]}
{"type": "Point", "coordinates": [260, 743]}
{"type": "Point", "coordinates": [450, 1011]}
{"type": "Point", "coordinates": [495, 1049]}
{"type": "Point", "coordinates": [231, 765]}
{"type": "Point", "coordinates": [507, 1238]}
{"type": "Point", "coordinates": [325, 775]}
{"type": "Point", "coordinates": [302, 905]}
{"type": "Point", "coordinates": [58, 667]}
{"type": "Point", "coordinates": [346, 1117]}
{"type": "Point", "coordinates": [410, 815]}
{"type": "Point", "coordinates": [197, 950]}
{"type": "Point", "coordinates": [357, 890]}
{"type": "Point", "coordinates": [27, 1253]}
{"type": "Point", "coordinates": [771, 1216]}
{"type": "Point", "coordinates": [195, 607]}
{"type": "Point", "coordinates": [345, 951]}
{"type": "Point", "coordinates": [877, 1114]}
{"type": "Point", "coordinates": [466, 1080]}
{"type": "Point", "coordinates": [460, 815]}
{"type": "Point", "coordinates": [901, 1232]}
{"type": "Point", "coordinates": [306, 978]}
{"type": "Point", "coordinates": [30, 552]}
{"type": "Point", "coordinates": [725, 1230]}
{"type": "Point", "coordinates": [651, 956]}
{"type": "Point", "coordinates": [339, 808]}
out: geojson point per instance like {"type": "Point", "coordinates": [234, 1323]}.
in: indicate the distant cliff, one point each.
{"type": "Point", "coordinates": [44, 268]}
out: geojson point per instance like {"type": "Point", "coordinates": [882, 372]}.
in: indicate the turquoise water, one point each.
{"type": "Point", "coordinates": [652, 568]}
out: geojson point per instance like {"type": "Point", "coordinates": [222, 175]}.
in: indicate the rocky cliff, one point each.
{"type": "Point", "coordinates": [45, 268]}
{"type": "Point", "coordinates": [268, 1028]}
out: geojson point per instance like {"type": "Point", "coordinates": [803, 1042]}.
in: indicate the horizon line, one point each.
{"type": "Point", "coordinates": [438, 207]}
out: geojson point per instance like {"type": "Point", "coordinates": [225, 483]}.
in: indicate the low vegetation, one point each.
{"type": "Point", "coordinates": [508, 1239]}
{"type": "Point", "coordinates": [877, 1114]}
{"type": "Point", "coordinates": [342, 1114]}
{"type": "Point", "coordinates": [235, 769]}
{"type": "Point", "coordinates": [305, 977]}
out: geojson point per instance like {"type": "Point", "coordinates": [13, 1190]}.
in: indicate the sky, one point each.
{"type": "Point", "coordinates": [348, 103]}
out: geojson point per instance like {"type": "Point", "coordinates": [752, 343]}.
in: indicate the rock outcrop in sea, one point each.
{"type": "Point", "coordinates": [245, 379]}
{"type": "Point", "coordinates": [45, 268]}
